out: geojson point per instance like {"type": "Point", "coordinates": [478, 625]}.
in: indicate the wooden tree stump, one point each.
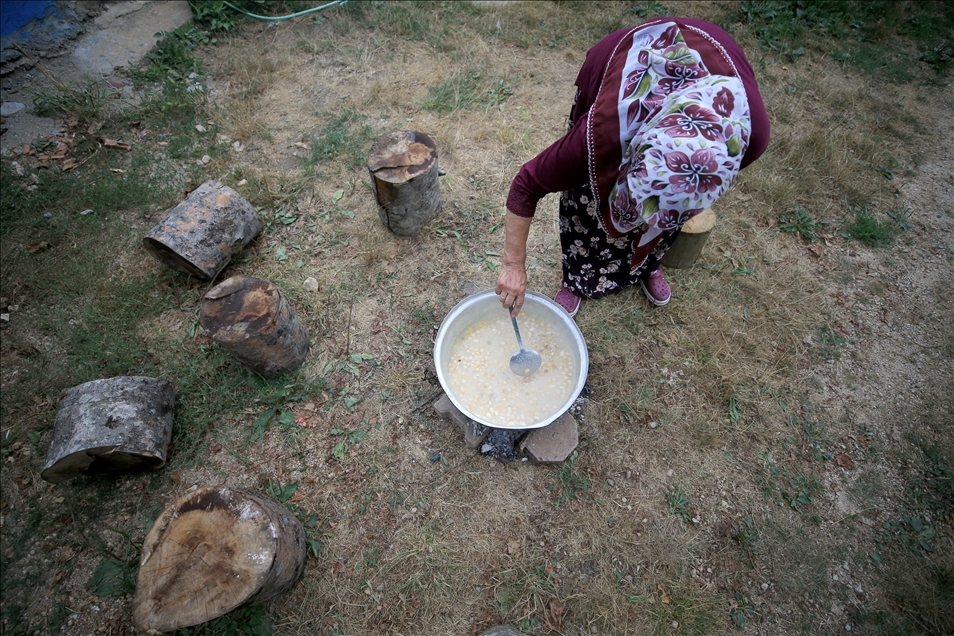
{"type": "Point", "coordinates": [690, 240]}
{"type": "Point", "coordinates": [253, 321]}
{"type": "Point", "coordinates": [213, 551]}
{"type": "Point", "coordinates": [111, 426]}
{"type": "Point", "coordinates": [202, 234]}
{"type": "Point", "coordinates": [403, 167]}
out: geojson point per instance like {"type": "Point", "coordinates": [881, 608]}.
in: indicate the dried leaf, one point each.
{"type": "Point", "coordinates": [69, 164]}
{"type": "Point", "coordinates": [94, 127]}
{"type": "Point", "coordinates": [297, 497]}
{"type": "Point", "coordinates": [844, 461]}
{"type": "Point", "coordinates": [115, 143]}
{"type": "Point", "coordinates": [17, 168]}
{"type": "Point", "coordinates": [299, 144]}
{"type": "Point", "coordinates": [663, 597]}
{"type": "Point", "coordinates": [513, 546]}
{"type": "Point", "coordinates": [39, 247]}
{"type": "Point", "coordinates": [553, 615]}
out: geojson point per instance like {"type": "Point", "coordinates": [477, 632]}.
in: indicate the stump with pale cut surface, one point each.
{"type": "Point", "coordinates": [215, 550]}
{"type": "Point", "coordinates": [403, 167]}
{"type": "Point", "coordinates": [690, 240]}
{"type": "Point", "coordinates": [110, 426]}
{"type": "Point", "coordinates": [202, 234]}
{"type": "Point", "coordinates": [253, 321]}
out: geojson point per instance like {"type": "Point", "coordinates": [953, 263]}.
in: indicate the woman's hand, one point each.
{"type": "Point", "coordinates": [512, 286]}
{"type": "Point", "coordinates": [512, 282]}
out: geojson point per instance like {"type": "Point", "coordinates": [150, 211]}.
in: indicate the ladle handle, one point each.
{"type": "Point", "coordinates": [515, 329]}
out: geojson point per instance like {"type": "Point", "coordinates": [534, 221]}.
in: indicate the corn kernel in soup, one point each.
{"type": "Point", "coordinates": [479, 375]}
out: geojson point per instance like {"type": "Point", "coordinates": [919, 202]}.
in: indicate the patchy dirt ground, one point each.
{"type": "Point", "coordinates": [855, 341]}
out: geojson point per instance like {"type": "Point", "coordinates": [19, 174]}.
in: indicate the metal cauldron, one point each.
{"type": "Point", "coordinates": [485, 305]}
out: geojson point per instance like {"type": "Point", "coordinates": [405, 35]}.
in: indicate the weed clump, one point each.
{"type": "Point", "coordinates": [869, 230]}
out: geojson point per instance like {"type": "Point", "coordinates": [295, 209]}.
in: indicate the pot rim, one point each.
{"type": "Point", "coordinates": [533, 297]}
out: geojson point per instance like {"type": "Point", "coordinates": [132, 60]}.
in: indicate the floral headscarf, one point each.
{"type": "Point", "coordinates": [665, 137]}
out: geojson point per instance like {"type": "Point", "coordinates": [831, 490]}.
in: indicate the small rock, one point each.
{"type": "Point", "coordinates": [311, 284]}
{"type": "Point", "coordinates": [85, 212]}
{"type": "Point", "coordinates": [200, 128]}
{"type": "Point", "coordinates": [48, 215]}
{"type": "Point", "coordinates": [5, 317]}
{"type": "Point", "coordinates": [653, 424]}
{"type": "Point", "coordinates": [10, 108]}
{"type": "Point", "coordinates": [610, 482]}
{"type": "Point", "coordinates": [205, 159]}
{"type": "Point", "coordinates": [243, 182]}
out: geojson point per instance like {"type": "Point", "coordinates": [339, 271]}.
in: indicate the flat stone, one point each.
{"type": "Point", "coordinates": [474, 433]}
{"type": "Point", "coordinates": [554, 443]}
{"type": "Point", "coordinates": [11, 108]}
{"type": "Point", "coordinates": [501, 630]}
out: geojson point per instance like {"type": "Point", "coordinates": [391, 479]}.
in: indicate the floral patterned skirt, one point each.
{"type": "Point", "coordinates": [594, 264]}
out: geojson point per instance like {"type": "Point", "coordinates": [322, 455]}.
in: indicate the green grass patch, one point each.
{"type": "Point", "coordinates": [456, 92]}
{"type": "Point", "coordinates": [800, 221]}
{"type": "Point", "coordinates": [870, 230]}
{"type": "Point", "coordinates": [870, 35]}
{"type": "Point", "coordinates": [569, 482]}
{"type": "Point", "coordinates": [86, 102]}
{"type": "Point", "coordinates": [345, 138]}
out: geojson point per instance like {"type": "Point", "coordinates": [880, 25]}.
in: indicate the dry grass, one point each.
{"type": "Point", "coordinates": [724, 395]}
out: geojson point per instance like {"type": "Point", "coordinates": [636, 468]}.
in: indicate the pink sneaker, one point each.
{"type": "Point", "coordinates": [656, 288]}
{"type": "Point", "coordinates": [568, 300]}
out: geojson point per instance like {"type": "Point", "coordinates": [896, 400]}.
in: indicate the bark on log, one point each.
{"type": "Point", "coordinates": [690, 240]}
{"type": "Point", "coordinates": [403, 167]}
{"type": "Point", "coordinates": [111, 426]}
{"type": "Point", "coordinates": [253, 321]}
{"type": "Point", "coordinates": [214, 550]}
{"type": "Point", "coordinates": [202, 234]}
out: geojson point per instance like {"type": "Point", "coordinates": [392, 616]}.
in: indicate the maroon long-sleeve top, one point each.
{"type": "Point", "coordinates": [563, 166]}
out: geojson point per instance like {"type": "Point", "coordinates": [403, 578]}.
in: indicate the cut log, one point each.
{"type": "Point", "coordinates": [689, 242]}
{"type": "Point", "coordinates": [110, 426]}
{"type": "Point", "coordinates": [403, 167]}
{"type": "Point", "coordinates": [214, 550]}
{"type": "Point", "coordinates": [202, 234]}
{"type": "Point", "coordinates": [253, 321]}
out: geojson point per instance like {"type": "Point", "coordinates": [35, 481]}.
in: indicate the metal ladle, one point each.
{"type": "Point", "coordinates": [525, 361]}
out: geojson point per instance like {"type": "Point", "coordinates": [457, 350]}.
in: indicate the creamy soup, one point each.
{"type": "Point", "coordinates": [479, 375]}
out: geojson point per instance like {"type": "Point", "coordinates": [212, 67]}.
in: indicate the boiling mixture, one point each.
{"type": "Point", "coordinates": [478, 371]}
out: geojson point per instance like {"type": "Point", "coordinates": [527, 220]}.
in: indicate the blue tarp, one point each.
{"type": "Point", "coordinates": [16, 14]}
